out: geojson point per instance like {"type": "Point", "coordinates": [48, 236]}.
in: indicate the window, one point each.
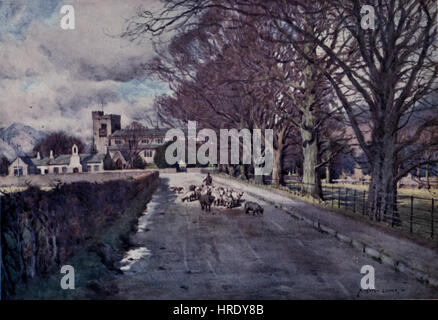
{"type": "Point", "coordinates": [89, 168]}
{"type": "Point", "coordinates": [56, 170]}
{"type": "Point", "coordinates": [64, 169]}
{"type": "Point", "coordinates": [96, 168]}
{"type": "Point", "coordinates": [159, 140]}
{"type": "Point", "coordinates": [148, 154]}
{"type": "Point", "coordinates": [46, 171]}
{"type": "Point", "coordinates": [119, 141]}
{"type": "Point", "coordinates": [18, 171]}
{"type": "Point", "coordinates": [102, 130]}
{"type": "Point", "coordinates": [145, 141]}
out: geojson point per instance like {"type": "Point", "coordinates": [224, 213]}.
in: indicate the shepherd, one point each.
{"type": "Point", "coordinates": [208, 180]}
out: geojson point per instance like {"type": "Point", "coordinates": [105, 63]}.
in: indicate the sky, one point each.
{"type": "Point", "coordinates": [51, 79]}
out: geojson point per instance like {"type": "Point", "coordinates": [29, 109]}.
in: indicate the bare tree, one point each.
{"type": "Point", "coordinates": [59, 142]}
{"type": "Point", "coordinates": [259, 77]}
{"type": "Point", "coordinates": [133, 134]}
{"type": "Point", "coordinates": [384, 80]}
{"type": "Point", "coordinates": [383, 77]}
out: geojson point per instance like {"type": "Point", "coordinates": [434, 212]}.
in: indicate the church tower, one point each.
{"type": "Point", "coordinates": [103, 126]}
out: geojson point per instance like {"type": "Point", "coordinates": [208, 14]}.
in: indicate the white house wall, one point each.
{"type": "Point", "coordinates": [18, 163]}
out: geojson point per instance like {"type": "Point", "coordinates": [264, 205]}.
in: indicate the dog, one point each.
{"type": "Point", "coordinates": [254, 207]}
{"type": "Point", "coordinates": [177, 189]}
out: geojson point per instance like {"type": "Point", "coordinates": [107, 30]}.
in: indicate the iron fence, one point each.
{"type": "Point", "coordinates": [409, 214]}
{"type": "Point", "coordinates": [417, 216]}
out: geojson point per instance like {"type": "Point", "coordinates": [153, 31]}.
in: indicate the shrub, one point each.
{"type": "Point", "coordinates": [139, 163]}
{"type": "Point", "coordinates": [160, 156]}
{"type": "Point", "coordinates": [40, 230]}
{"type": "Point", "coordinates": [4, 164]}
{"type": "Point", "coordinates": [108, 163]}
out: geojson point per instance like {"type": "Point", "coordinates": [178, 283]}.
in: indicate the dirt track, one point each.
{"type": "Point", "coordinates": [183, 253]}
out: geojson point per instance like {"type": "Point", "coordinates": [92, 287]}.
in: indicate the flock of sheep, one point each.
{"type": "Point", "coordinates": [217, 196]}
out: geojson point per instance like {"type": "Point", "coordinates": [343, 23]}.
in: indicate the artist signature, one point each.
{"type": "Point", "coordinates": [379, 291]}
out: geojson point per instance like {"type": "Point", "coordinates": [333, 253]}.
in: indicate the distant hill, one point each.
{"type": "Point", "coordinates": [7, 150]}
{"type": "Point", "coordinates": [18, 139]}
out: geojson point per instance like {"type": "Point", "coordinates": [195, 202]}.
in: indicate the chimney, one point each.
{"type": "Point", "coordinates": [51, 154]}
{"type": "Point", "coordinates": [38, 156]}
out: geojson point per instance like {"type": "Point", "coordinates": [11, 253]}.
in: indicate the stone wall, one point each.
{"type": "Point", "coordinates": [41, 229]}
{"type": "Point", "coordinates": [53, 179]}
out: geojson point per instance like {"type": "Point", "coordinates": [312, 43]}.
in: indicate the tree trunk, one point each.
{"type": "Point", "coordinates": [277, 170]}
{"type": "Point", "coordinates": [382, 193]}
{"type": "Point", "coordinates": [327, 174]}
{"type": "Point", "coordinates": [427, 177]}
{"type": "Point", "coordinates": [309, 133]}
{"type": "Point", "coordinates": [311, 178]}
{"type": "Point", "coordinates": [231, 170]}
{"type": "Point", "coordinates": [243, 172]}
{"type": "Point", "coordinates": [258, 178]}
{"type": "Point", "coordinates": [309, 136]}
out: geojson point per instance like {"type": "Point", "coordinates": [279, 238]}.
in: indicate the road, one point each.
{"type": "Point", "coordinates": [181, 252]}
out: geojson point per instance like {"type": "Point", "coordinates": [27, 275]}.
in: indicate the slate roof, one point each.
{"type": "Point", "coordinates": [40, 162]}
{"type": "Point", "coordinates": [92, 158]}
{"type": "Point", "coordinates": [27, 160]}
{"type": "Point", "coordinates": [64, 159]}
{"type": "Point", "coordinates": [139, 148]}
{"type": "Point", "coordinates": [147, 132]}
{"type": "Point", "coordinates": [125, 154]}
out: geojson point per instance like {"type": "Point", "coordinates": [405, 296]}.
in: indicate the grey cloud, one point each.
{"type": "Point", "coordinates": [91, 99]}
{"type": "Point", "coordinates": [10, 74]}
{"type": "Point", "coordinates": [30, 73]}
{"type": "Point", "coordinates": [46, 51]}
{"type": "Point", "coordinates": [67, 74]}
{"type": "Point", "coordinates": [121, 71]}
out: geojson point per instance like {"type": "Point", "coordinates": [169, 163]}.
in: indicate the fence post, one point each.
{"type": "Point", "coordinates": [333, 195]}
{"type": "Point", "coordinates": [339, 197]}
{"type": "Point", "coordinates": [431, 218]}
{"type": "Point", "coordinates": [1, 254]}
{"type": "Point", "coordinates": [412, 214]}
{"type": "Point", "coordinates": [346, 198]}
{"type": "Point", "coordinates": [354, 201]}
{"type": "Point", "coordinates": [363, 203]}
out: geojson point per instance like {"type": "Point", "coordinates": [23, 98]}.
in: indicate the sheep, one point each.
{"type": "Point", "coordinates": [189, 196]}
{"type": "Point", "coordinates": [228, 200]}
{"type": "Point", "coordinates": [217, 197]}
{"type": "Point", "coordinates": [221, 196]}
{"type": "Point", "coordinates": [237, 196]}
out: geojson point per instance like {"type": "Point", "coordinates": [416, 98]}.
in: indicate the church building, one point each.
{"type": "Point", "coordinates": [123, 144]}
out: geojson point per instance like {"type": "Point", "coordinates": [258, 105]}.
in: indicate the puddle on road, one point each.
{"type": "Point", "coordinates": [132, 256]}
{"type": "Point", "coordinates": [158, 204]}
